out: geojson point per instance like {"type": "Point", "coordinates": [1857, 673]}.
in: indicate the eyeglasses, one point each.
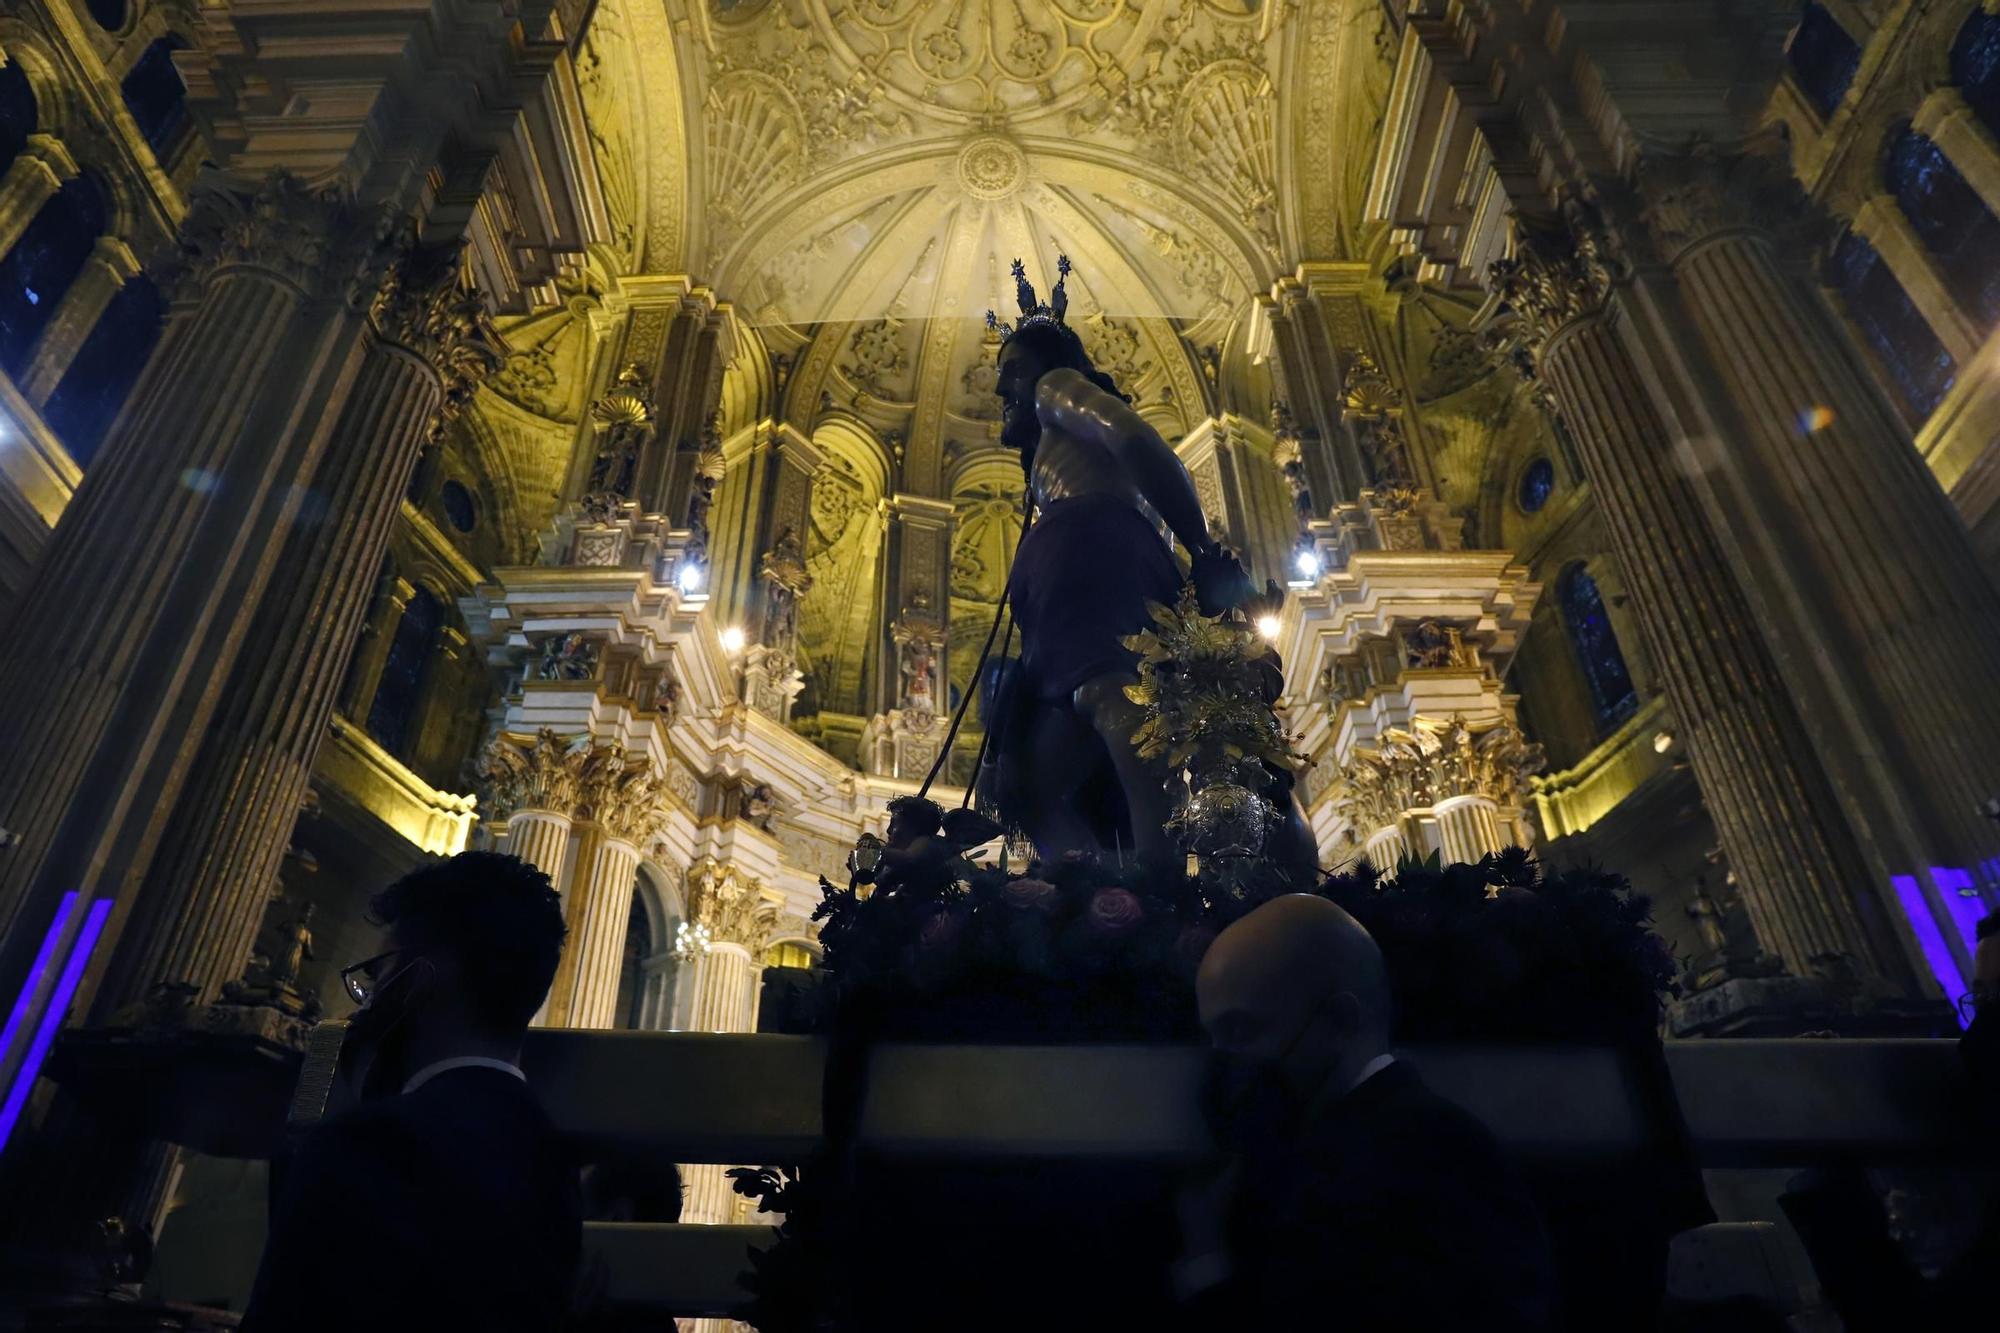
{"type": "Point", "coordinates": [359, 978]}
{"type": "Point", "coordinates": [1969, 1005]}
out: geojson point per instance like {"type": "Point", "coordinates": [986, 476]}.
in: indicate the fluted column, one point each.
{"type": "Point", "coordinates": [1803, 880]}
{"type": "Point", "coordinates": [198, 913]}
{"type": "Point", "coordinates": [133, 612]}
{"type": "Point", "coordinates": [1864, 551]}
{"type": "Point", "coordinates": [723, 998]}
{"type": "Point", "coordinates": [1469, 828]}
{"type": "Point", "coordinates": [40, 169]}
{"type": "Point", "coordinates": [624, 797]}
{"type": "Point", "coordinates": [541, 838]}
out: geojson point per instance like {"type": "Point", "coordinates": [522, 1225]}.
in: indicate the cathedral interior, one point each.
{"type": "Point", "coordinates": [569, 427]}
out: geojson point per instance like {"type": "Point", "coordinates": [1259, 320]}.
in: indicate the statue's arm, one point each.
{"type": "Point", "coordinates": [1068, 401]}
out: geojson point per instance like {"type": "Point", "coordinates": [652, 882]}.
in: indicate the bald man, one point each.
{"type": "Point", "coordinates": [1355, 1198]}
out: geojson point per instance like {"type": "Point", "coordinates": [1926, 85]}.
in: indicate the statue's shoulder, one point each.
{"type": "Point", "coordinates": [1059, 386]}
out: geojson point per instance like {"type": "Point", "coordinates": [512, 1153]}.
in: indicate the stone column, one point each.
{"type": "Point", "coordinates": [1805, 885]}
{"type": "Point", "coordinates": [1853, 546]}
{"type": "Point", "coordinates": [1316, 313]}
{"type": "Point", "coordinates": [41, 168]}
{"type": "Point", "coordinates": [197, 914]}
{"type": "Point", "coordinates": [110, 266]}
{"type": "Point", "coordinates": [624, 797]}
{"type": "Point", "coordinates": [133, 614]}
{"type": "Point", "coordinates": [724, 998]}
{"type": "Point", "coordinates": [533, 782]}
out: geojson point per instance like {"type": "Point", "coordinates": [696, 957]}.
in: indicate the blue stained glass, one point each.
{"type": "Point", "coordinates": [1949, 217]}
{"type": "Point", "coordinates": [457, 504]}
{"type": "Point", "coordinates": [156, 97]}
{"type": "Point", "coordinates": [1823, 58]}
{"type": "Point", "coordinates": [43, 263]}
{"type": "Point", "coordinates": [1597, 649]}
{"type": "Point", "coordinates": [18, 113]}
{"type": "Point", "coordinates": [1975, 67]}
{"type": "Point", "coordinates": [1919, 367]}
{"type": "Point", "coordinates": [396, 697]}
{"type": "Point", "coordinates": [87, 398]}
{"type": "Point", "coordinates": [1538, 483]}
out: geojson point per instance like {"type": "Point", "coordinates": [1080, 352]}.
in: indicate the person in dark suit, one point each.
{"type": "Point", "coordinates": [443, 1199]}
{"type": "Point", "coordinates": [1354, 1198]}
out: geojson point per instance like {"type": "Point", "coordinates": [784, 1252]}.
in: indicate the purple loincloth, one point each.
{"type": "Point", "coordinates": [1082, 579]}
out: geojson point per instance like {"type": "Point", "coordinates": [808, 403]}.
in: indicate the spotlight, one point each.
{"type": "Point", "coordinates": [1663, 742]}
{"type": "Point", "coordinates": [732, 639]}
{"type": "Point", "coordinates": [690, 577]}
{"type": "Point", "coordinates": [1307, 563]}
{"type": "Point", "coordinates": [1268, 626]}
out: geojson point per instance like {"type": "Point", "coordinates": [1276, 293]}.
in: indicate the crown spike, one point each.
{"type": "Point", "coordinates": [1032, 310]}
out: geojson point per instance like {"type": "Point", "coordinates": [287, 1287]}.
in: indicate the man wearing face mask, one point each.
{"type": "Point", "coordinates": [1355, 1198]}
{"type": "Point", "coordinates": [444, 1199]}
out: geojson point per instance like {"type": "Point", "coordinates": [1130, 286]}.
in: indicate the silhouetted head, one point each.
{"type": "Point", "coordinates": [1297, 991]}
{"type": "Point", "coordinates": [469, 947]}
{"type": "Point", "coordinates": [913, 817]}
{"type": "Point", "coordinates": [1029, 353]}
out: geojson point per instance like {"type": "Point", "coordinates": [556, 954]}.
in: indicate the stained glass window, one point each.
{"type": "Point", "coordinates": [43, 263]}
{"type": "Point", "coordinates": [1919, 368]}
{"type": "Point", "coordinates": [87, 398]}
{"type": "Point", "coordinates": [18, 115]}
{"type": "Point", "coordinates": [1597, 650]}
{"type": "Point", "coordinates": [1947, 214]}
{"type": "Point", "coordinates": [156, 97]}
{"type": "Point", "coordinates": [1823, 58]}
{"type": "Point", "coordinates": [1538, 483]}
{"type": "Point", "coordinates": [395, 707]}
{"type": "Point", "coordinates": [1975, 67]}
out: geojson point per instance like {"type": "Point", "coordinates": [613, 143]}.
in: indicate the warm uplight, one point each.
{"type": "Point", "coordinates": [1663, 742]}
{"type": "Point", "coordinates": [732, 639]}
{"type": "Point", "coordinates": [1307, 564]}
{"type": "Point", "coordinates": [1268, 626]}
{"type": "Point", "coordinates": [691, 577]}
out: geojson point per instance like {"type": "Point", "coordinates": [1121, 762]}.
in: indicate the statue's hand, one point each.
{"type": "Point", "coordinates": [1220, 581]}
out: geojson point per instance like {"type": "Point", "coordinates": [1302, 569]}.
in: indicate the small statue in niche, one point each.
{"type": "Point", "coordinates": [919, 670]}
{"type": "Point", "coordinates": [625, 415]}
{"type": "Point", "coordinates": [570, 656]}
{"type": "Point", "coordinates": [1288, 451]}
{"type": "Point", "coordinates": [295, 949]}
{"type": "Point", "coordinates": [760, 805]}
{"type": "Point", "coordinates": [1433, 646]}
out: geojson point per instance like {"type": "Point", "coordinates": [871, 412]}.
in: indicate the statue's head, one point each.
{"type": "Point", "coordinates": [913, 817]}
{"type": "Point", "coordinates": [1040, 343]}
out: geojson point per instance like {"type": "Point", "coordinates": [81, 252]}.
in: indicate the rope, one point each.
{"type": "Point", "coordinates": [985, 653]}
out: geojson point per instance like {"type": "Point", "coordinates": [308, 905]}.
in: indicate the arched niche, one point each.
{"type": "Point", "coordinates": [840, 618]}
{"type": "Point", "coordinates": [647, 976]}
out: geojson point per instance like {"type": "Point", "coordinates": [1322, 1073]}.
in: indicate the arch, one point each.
{"type": "Point", "coordinates": [156, 96]}
{"type": "Point", "coordinates": [88, 397]}
{"type": "Point", "coordinates": [38, 271]}
{"type": "Point", "coordinates": [1596, 643]}
{"type": "Point", "coordinates": [1975, 66]}
{"type": "Point", "coordinates": [1824, 58]}
{"type": "Point", "coordinates": [647, 976]}
{"type": "Point", "coordinates": [1949, 217]}
{"type": "Point", "coordinates": [839, 618]}
{"type": "Point", "coordinates": [393, 711]}
{"type": "Point", "coordinates": [629, 1010]}
{"type": "Point", "coordinates": [1918, 367]}
{"type": "Point", "coordinates": [19, 114]}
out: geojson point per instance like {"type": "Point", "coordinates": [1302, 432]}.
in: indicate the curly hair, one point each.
{"type": "Point", "coordinates": [496, 914]}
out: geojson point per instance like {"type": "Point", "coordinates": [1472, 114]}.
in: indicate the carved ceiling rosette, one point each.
{"type": "Point", "coordinates": [538, 772]}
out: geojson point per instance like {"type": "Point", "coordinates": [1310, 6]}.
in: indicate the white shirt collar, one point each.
{"type": "Point", "coordinates": [436, 1067]}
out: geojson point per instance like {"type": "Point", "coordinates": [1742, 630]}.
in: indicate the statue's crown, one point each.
{"type": "Point", "coordinates": [1032, 310]}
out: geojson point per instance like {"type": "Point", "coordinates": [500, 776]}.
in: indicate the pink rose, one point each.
{"type": "Point", "coordinates": [1029, 895]}
{"type": "Point", "coordinates": [1115, 911]}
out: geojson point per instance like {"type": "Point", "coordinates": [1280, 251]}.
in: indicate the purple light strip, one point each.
{"type": "Point", "coordinates": [1937, 952]}
{"type": "Point", "coordinates": [52, 1017]}
{"type": "Point", "coordinates": [1961, 903]}
{"type": "Point", "coordinates": [35, 975]}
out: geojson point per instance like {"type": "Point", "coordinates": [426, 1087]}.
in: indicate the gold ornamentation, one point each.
{"type": "Point", "coordinates": [731, 905]}
{"type": "Point", "coordinates": [1558, 273]}
{"type": "Point", "coordinates": [1433, 762]}
{"type": "Point", "coordinates": [425, 305]}
{"type": "Point", "coordinates": [539, 772]}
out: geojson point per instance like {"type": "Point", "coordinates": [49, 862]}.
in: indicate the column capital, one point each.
{"type": "Point", "coordinates": [1559, 271]}
{"type": "Point", "coordinates": [732, 906]}
{"type": "Point", "coordinates": [313, 238]}
{"type": "Point", "coordinates": [1431, 763]}
{"type": "Point", "coordinates": [423, 304]}
{"type": "Point", "coordinates": [622, 794]}
{"type": "Point", "coordinates": [539, 772]}
{"type": "Point", "coordinates": [1705, 189]}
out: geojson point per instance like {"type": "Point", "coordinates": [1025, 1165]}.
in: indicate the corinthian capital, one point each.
{"type": "Point", "coordinates": [1703, 189]}
{"type": "Point", "coordinates": [423, 304]}
{"type": "Point", "coordinates": [623, 795]}
{"type": "Point", "coordinates": [539, 772]}
{"type": "Point", "coordinates": [1433, 762]}
{"type": "Point", "coordinates": [732, 906]}
{"type": "Point", "coordinates": [317, 239]}
{"type": "Point", "coordinates": [1558, 271]}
